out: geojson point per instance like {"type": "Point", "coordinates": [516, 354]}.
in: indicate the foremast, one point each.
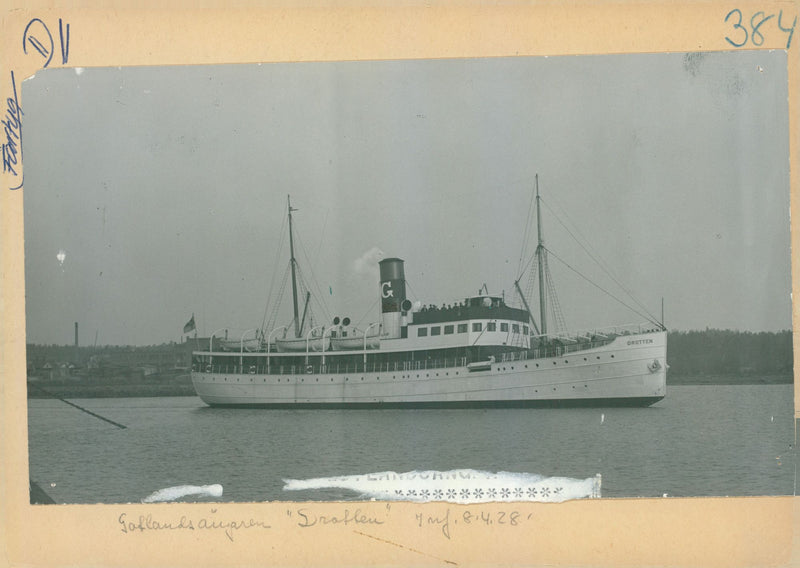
{"type": "Point", "coordinates": [540, 256]}
{"type": "Point", "coordinates": [293, 265]}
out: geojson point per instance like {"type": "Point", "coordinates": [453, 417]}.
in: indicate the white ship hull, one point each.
{"type": "Point", "coordinates": [630, 370]}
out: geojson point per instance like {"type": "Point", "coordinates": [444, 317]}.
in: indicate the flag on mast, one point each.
{"type": "Point", "coordinates": [189, 325]}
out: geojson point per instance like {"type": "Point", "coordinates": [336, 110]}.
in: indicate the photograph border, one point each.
{"type": "Point", "coordinates": [675, 532]}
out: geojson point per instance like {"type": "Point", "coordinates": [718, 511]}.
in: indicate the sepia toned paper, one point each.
{"type": "Point", "coordinates": [735, 531]}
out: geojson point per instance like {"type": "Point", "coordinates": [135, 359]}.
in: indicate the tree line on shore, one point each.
{"type": "Point", "coordinates": [730, 353]}
{"type": "Point", "coordinates": [691, 355]}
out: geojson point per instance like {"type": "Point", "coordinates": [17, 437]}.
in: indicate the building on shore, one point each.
{"type": "Point", "coordinates": [57, 362]}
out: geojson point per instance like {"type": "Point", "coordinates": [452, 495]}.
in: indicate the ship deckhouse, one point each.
{"type": "Point", "coordinates": [479, 320]}
{"type": "Point", "coordinates": [468, 328]}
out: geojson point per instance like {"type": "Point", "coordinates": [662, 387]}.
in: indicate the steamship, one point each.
{"type": "Point", "coordinates": [476, 352]}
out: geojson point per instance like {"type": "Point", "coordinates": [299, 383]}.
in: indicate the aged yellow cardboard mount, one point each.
{"type": "Point", "coordinates": [630, 532]}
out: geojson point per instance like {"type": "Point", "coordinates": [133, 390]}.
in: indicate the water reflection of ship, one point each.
{"type": "Point", "coordinates": [478, 351]}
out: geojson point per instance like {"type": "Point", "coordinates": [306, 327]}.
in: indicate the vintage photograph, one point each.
{"type": "Point", "coordinates": [465, 280]}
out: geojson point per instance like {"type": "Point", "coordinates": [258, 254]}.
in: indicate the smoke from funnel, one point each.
{"type": "Point", "coordinates": [367, 263]}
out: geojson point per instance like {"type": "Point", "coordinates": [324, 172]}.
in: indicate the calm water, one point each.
{"type": "Point", "coordinates": [699, 441]}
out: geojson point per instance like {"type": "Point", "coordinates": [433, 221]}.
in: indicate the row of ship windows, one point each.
{"type": "Point", "coordinates": [409, 376]}
{"type": "Point", "coordinates": [404, 376]}
{"type": "Point", "coordinates": [309, 370]}
{"type": "Point", "coordinates": [476, 326]}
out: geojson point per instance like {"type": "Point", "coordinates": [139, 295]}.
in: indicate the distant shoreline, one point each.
{"type": "Point", "coordinates": [115, 391]}
{"type": "Point", "coordinates": [183, 387]}
{"type": "Point", "coordinates": [76, 388]}
{"type": "Point", "coordinates": [709, 357]}
{"type": "Point", "coordinates": [772, 379]}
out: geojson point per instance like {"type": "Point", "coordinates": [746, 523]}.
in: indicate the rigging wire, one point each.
{"type": "Point", "coordinates": [526, 236]}
{"type": "Point", "coordinates": [602, 264]}
{"type": "Point", "coordinates": [413, 292]}
{"type": "Point", "coordinates": [272, 322]}
{"type": "Point", "coordinates": [307, 292]}
{"type": "Point", "coordinates": [531, 284]}
{"type": "Point", "coordinates": [527, 264]}
{"type": "Point", "coordinates": [316, 291]}
{"type": "Point", "coordinates": [322, 235]}
{"type": "Point", "coordinates": [281, 241]}
{"type": "Point", "coordinates": [590, 281]}
{"type": "Point", "coordinates": [366, 312]}
{"type": "Point", "coordinates": [555, 305]}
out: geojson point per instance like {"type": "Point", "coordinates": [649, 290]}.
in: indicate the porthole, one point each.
{"type": "Point", "coordinates": [612, 356]}
{"type": "Point", "coordinates": [565, 361]}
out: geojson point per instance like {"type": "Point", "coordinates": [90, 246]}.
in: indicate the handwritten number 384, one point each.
{"type": "Point", "coordinates": [756, 21]}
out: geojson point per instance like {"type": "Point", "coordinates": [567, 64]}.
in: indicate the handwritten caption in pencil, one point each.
{"type": "Point", "coordinates": [449, 522]}
{"type": "Point", "coordinates": [307, 517]}
{"type": "Point", "coordinates": [210, 522]}
{"type": "Point", "coordinates": [470, 519]}
{"type": "Point", "coordinates": [445, 522]}
{"type": "Point", "coordinates": [37, 42]}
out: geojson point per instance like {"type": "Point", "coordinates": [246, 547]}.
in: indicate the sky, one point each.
{"type": "Point", "coordinates": [155, 193]}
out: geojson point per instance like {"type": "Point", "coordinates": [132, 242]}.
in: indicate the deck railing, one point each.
{"type": "Point", "coordinates": [336, 368]}
{"type": "Point", "coordinates": [602, 332]}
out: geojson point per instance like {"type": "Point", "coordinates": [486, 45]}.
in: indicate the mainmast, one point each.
{"type": "Point", "coordinates": [540, 255]}
{"type": "Point", "coordinates": [293, 264]}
